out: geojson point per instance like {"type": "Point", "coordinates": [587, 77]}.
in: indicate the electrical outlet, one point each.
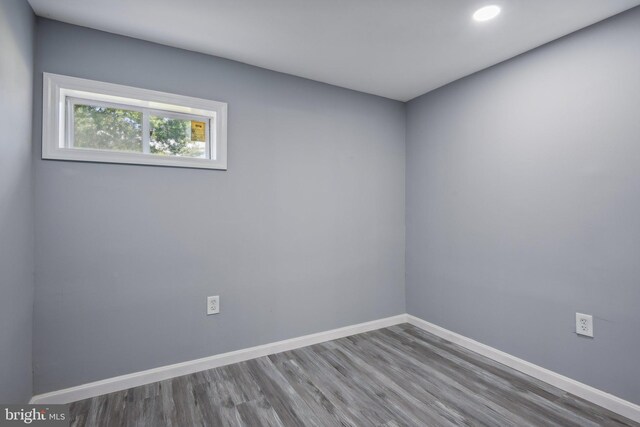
{"type": "Point", "coordinates": [213, 305]}
{"type": "Point", "coordinates": [584, 324]}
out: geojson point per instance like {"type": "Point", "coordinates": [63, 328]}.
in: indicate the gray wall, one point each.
{"type": "Point", "coordinates": [17, 24]}
{"type": "Point", "coordinates": [523, 205]}
{"type": "Point", "coordinates": [303, 233]}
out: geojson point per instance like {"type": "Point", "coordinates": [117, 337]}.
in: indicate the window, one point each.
{"type": "Point", "coordinates": [91, 121]}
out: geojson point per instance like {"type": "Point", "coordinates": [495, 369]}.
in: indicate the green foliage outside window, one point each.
{"type": "Point", "coordinates": [107, 128]}
{"type": "Point", "coordinates": [118, 129]}
{"type": "Point", "coordinates": [173, 137]}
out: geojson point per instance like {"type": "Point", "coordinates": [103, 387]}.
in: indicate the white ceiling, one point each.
{"type": "Point", "coordinates": [394, 48]}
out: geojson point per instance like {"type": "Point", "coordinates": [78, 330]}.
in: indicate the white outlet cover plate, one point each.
{"type": "Point", "coordinates": [584, 324]}
{"type": "Point", "coordinates": [213, 305]}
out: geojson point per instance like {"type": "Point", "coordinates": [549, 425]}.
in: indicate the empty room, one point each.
{"type": "Point", "coordinates": [320, 213]}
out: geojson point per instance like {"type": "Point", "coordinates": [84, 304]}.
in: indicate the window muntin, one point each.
{"type": "Point", "coordinates": [92, 121]}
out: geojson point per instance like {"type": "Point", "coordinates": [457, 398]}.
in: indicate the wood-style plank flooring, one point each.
{"type": "Point", "coordinates": [398, 376]}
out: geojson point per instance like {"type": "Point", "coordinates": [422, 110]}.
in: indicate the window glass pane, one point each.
{"type": "Point", "coordinates": [106, 128]}
{"type": "Point", "coordinates": [177, 137]}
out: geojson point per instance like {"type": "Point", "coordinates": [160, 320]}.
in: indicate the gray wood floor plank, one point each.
{"type": "Point", "coordinates": [115, 410]}
{"type": "Point", "coordinates": [289, 406]}
{"type": "Point", "coordinates": [259, 413]}
{"type": "Point", "coordinates": [97, 411]}
{"type": "Point", "coordinates": [453, 379]}
{"type": "Point", "coordinates": [81, 408]}
{"type": "Point", "coordinates": [228, 386]}
{"type": "Point", "coordinates": [525, 395]}
{"type": "Point", "coordinates": [588, 410]}
{"type": "Point", "coordinates": [333, 383]}
{"type": "Point", "coordinates": [397, 376]}
{"type": "Point", "coordinates": [553, 400]}
{"type": "Point", "coordinates": [144, 412]}
{"type": "Point", "coordinates": [187, 408]}
{"type": "Point", "coordinates": [217, 401]}
{"type": "Point", "coordinates": [321, 405]}
{"type": "Point", "coordinates": [481, 364]}
{"type": "Point", "coordinates": [211, 414]}
{"type": "Point", "coordinates": [408, 409]}
{"type": "Point", "coordinates": [449, 400]}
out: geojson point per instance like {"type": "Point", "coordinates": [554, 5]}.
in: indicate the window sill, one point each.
{"type": "Point", "coordinates": [97, 156]}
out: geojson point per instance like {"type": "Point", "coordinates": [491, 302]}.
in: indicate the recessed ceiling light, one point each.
{"type": "Point", "coordinates": [486, 13]}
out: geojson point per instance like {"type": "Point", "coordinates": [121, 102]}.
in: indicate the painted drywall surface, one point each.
{"type": "Point", "coordinates": [523, 205]}
{"type": "Point", "coordinates": [303, 233]}
{"type": "Point", "coordinates": [17, 28]}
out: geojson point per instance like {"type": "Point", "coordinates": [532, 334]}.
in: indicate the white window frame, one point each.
{"type": "Point", "coordinates": [60, 93]}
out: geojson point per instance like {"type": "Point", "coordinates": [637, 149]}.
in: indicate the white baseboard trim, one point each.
{"type": "Point", "coordinates": [135, 379]}
{"type": "Point", "coordinates": [591, 394]}
{"type": "Point", "coordinates": [123, 382]}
